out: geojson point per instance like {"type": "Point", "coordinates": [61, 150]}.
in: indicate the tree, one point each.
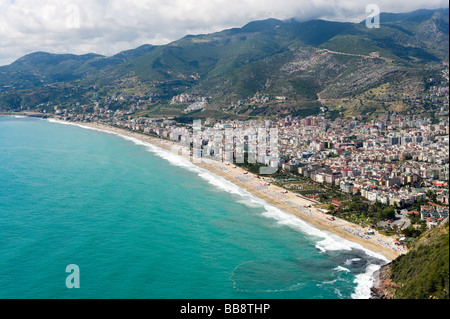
{"type": "Point", "coordinates": [388, 213]}
{"type": "Point", "coordinates": [431, 195]}
{"type": "Point", "coordinates": [410, 231]}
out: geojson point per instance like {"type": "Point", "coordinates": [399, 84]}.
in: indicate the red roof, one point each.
{"type": "Point", "coordinates": [336, 202]}
{"type": "Point", "coordinates": [433, 204]}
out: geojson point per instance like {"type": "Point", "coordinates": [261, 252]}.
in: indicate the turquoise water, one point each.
{"type": "Point", "coordinates": [140, 222]}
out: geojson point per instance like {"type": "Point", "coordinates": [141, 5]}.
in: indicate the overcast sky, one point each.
{"type": "Point", "coordinates": [110, 26]}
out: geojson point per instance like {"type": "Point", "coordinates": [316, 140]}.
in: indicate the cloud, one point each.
{"type": "Point", "coordinates": [110, 26]}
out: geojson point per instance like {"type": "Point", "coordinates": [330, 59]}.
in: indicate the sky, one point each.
{"type": "Point", "coordinates": [109, 26]}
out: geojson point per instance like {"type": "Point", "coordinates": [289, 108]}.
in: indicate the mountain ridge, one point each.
{"type": "Point", "coordinates": [315, 61]}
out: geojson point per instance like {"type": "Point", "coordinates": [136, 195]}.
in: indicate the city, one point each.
{"type": "Point", "coordinates": [396, 161]}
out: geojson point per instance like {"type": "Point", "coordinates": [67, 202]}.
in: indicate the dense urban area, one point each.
{"type": "Point", "coordinates": [360, 129]}
{"type": "Point", "coordinates": [391, 173]}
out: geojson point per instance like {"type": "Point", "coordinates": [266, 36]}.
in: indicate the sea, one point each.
{"type": "Point", "coordinates": [87, 214]}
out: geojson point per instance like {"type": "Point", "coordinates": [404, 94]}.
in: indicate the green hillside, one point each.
{"type": "Point", "coordinates": [423, 273]}
{"type": "Point", "coordinates": [294, 66]}
{"type": "Point", "coordinates": [40, 68]}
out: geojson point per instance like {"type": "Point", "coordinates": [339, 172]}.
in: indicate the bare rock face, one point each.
{"type": "Point", "coordinates": [384, 287]}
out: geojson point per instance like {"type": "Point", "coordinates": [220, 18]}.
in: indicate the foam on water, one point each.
{"type": "Point", "coordinates": [329, 241]}
{"type": "Point", "coordinates": [325, 241]}
{"type": "Point", "coordinates": [364, 282]}
{"type": "Point", "coordinates": [340, 268]}
{"type": "Point", "coordinates": [350, 261]}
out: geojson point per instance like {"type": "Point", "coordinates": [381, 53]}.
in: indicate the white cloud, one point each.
{"type": "Point", "coordinates": [109, 26]}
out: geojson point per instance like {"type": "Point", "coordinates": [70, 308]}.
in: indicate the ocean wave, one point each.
{"type": "Point", "coordinates": [335, 242]}
{"type": "Point", "coordinates": [215, 180]}
{"type": "Point", "coordinates": [364, 282]}
{"type": "Point", "coordinates": [330, 282]}
{"type": "Point", "coordinates": [328, 242]}
{"type": "Point", "coordinates": [80, 125]}
{"type": "Point", "coordinates": [340, 268]}
{"type": "Point", "coordinates": [351, 261]}
{"type": "Point", "coordinates": [325, 241]}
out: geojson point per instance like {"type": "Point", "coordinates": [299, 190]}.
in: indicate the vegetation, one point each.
{"type": "Point", "coordinates": [293, 63]}
{"type": "Point", "coordinates": [423, 273]}
{"type": "Point", "coordinates": [354, 208]}
{"type": "Point", "coordinates": [360, 211]}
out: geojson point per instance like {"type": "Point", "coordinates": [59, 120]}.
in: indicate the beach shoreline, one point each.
{"type": "Point", "coordinates": [276, 196]}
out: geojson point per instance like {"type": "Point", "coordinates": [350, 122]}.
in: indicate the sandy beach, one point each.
{"type": "Point", "coordinates": [278, 197]}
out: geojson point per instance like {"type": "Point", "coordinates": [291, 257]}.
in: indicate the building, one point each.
{"type": "Point", "coordinates": [331, 178]}
{"type": "Point", "coordinates": [393, 181]}
{"type": "Point", "coordinates": [433, 211]}
{"type": "Point", "coordinates": [346, 187]}
{"type": "Point", "coordinates": [289, 167]}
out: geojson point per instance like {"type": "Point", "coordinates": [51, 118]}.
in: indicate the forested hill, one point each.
{"type": "Point", "coordinates": [422, 273]}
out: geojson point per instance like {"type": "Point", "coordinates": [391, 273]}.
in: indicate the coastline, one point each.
{"type": "Point", "coordinates": [274, 195]}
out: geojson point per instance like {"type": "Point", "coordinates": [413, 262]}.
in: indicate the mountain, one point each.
{"type": "Point", "coordinates": [306, 65]}
{"type": "Point", "coordinates": [39, 68]}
